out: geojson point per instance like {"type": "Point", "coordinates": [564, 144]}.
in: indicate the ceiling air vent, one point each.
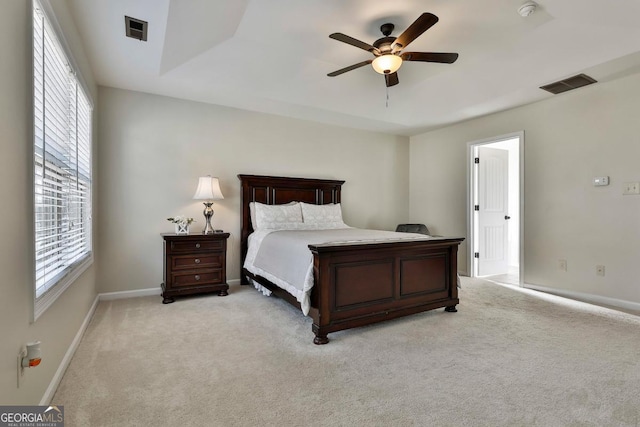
{"type": "Point", "coordinates": [569, 84]}
{"type": "Point", "coordinates": [136, 28]}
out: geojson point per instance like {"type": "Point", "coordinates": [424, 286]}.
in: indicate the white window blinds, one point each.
{"type": "Point", "coordinates": [62, 166]}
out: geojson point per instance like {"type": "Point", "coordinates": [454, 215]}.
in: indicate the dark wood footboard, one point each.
{"type": "Point", "coordinates": [356, 285]}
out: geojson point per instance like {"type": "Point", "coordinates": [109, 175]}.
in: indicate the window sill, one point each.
{"type": "Point", "coordinates": [41, 304]}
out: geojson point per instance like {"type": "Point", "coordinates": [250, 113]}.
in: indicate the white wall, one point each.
{"type": "Point", "coordinates": [153, 149]}
{"type": "Point", "coordinates": [569, 139]}
{"type": "Point", "coordinates": [57, 327]}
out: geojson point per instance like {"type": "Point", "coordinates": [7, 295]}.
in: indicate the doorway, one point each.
{"type": "Point", "coordinates": [495, 207]}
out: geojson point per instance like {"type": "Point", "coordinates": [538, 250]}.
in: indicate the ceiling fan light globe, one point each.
{"type": "Point", "coordinates": [387, 64]}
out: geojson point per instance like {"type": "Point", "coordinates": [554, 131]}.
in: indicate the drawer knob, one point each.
{"type": "Point", "coordinates": [197, 277]}
{"type": "Point", "coordinates": [198, 245]}
{"type": "Point", "coordinates": [197, 261]}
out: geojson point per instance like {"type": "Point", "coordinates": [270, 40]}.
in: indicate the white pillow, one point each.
{"type": "Point", "coordinates": [252, 215]}
{"type": "Point", "coordinates": [278, 217]}
{"type": "Point", "coordinates": [323, 216]}
{"type": "Point", "coordinates": [252, 212]}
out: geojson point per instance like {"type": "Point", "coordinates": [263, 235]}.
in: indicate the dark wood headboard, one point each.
{"type": "Point", "coordinates": [277, 190]}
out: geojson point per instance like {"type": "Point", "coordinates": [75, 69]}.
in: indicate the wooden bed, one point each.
{"type": "Point", "coordinates": [357, 284]}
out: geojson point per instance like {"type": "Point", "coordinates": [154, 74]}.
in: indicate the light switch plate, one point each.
{"type": "Point", "coordinates": [600, 181]}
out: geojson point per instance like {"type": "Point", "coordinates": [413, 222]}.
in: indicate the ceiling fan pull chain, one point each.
{"type": "Point", "coordinates": [387, 103]}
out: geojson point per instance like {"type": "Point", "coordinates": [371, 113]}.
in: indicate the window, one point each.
{"type": "Point", "coordinates": [62, 167]}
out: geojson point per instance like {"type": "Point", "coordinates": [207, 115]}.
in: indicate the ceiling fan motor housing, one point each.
{"type": "Point", "coordinates": [384, 44]}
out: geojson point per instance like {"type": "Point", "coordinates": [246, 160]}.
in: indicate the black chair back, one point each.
{"type": "Point", "coordinates": [412, 228]}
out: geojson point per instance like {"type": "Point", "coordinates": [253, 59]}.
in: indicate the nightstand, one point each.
{"type": "Point", "coordinates": [194, 264]}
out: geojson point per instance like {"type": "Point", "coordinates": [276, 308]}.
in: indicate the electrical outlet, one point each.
{"type": "Point", "coordinates": [562, 264]}
{"type": "Point", "coordinates": [599, 270]}
{"type": "Point", "coordinates": [631, 188]}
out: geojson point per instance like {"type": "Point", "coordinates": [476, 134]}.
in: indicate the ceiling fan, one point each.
{"type": "Point", "coordinates": [388, 50]}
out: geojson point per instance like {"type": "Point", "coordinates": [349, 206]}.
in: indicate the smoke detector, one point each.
{"type": "Point", "coordinates": [527, 9]}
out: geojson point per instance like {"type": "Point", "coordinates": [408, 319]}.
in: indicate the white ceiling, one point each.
{"type": "Point", "coordinates": [273, 56]}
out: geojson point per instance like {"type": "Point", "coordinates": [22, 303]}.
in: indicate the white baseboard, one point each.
{"type": "Point", "coordinates": [108, 296]}
{"type": "Point", "coordinates": [64, 364]}
{"type": "Point", "coordinates": [591, 298]}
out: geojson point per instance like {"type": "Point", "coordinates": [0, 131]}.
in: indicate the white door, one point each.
{"type": "Point", "coordinates": [492, 211]}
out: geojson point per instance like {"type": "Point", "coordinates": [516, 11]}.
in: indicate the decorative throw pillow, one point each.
{"type": "Point", "coordinates": [252, 212]}
{"type": "Point", "coordinates": [323, 216]}
{"type": "Point", "coordinates": [278, 217]}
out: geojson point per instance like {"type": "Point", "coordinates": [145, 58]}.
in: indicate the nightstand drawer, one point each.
{"type": "Point", "coordinates": [183, 262]}
{"type": "Point", "coordinates": [197, 245]}
{"type": "Point", "coordinates": [197, 278]}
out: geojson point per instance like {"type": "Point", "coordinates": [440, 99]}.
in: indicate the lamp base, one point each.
{"type": "Point", "coordinates": [208, 213]}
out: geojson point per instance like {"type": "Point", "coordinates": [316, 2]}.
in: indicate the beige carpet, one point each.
{"type": "Point", "coordinates": [507, 358]}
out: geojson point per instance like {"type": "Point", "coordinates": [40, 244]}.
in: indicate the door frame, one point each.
{"type": "Point", "coordinates": [471, 184]}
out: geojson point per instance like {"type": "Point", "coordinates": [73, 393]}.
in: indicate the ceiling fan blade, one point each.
{"type": "Point", "coordinates": [444, 58]}
{"type": "Point", "coordinates": [419, 26]}
{"type": "Point", "coordinates": [350, 67]}
{"type": "Point", "coordinates": [391, 79]}
{"type": "Point", "coordinates": [354, 42]}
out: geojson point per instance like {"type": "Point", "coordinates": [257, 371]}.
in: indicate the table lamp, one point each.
{"type": "Point", "coordinates": [208, 190]}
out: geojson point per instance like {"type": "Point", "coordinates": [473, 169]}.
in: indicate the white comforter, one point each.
{"type": "Point", "coordinates": [283, 256]}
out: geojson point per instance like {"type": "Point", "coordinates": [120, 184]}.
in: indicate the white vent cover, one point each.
{"type": "Point", "coordinates": [136, 28]}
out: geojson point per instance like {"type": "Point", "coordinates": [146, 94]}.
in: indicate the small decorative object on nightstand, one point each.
{"type": "Point", "coordinates": [193, 264]}
{"type": "Point", "coordinates": [181, 223]}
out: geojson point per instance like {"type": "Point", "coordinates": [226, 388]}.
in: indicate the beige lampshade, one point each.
{"type": "Point", "coordinates": [208, 189]}
{"type": "Point", "coordinates": [387, 64]}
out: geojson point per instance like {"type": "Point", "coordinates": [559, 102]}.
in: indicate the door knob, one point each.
{"type": "Point", "coordinates": [507, 217]}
